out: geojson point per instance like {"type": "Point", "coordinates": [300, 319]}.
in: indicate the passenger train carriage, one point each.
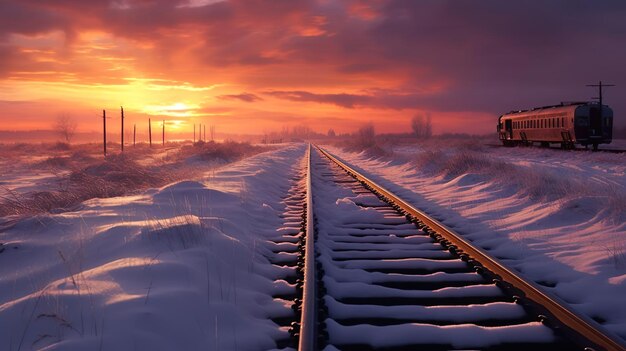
{"type": "Point", "coordinates": [584, 123]}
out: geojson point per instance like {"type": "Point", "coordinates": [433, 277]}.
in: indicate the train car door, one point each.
{"type": "Point", "coordinates": [595, 122]}
{"type": "Point", "coordinates": [508, 126]}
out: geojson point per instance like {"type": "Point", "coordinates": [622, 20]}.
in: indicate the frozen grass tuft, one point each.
{"type": "Point", "coordinates": [177, 232]}
{"type": "Point", "coordinates": [464, 157]}
{"type": "Point", "coordinates": [115, 176]}
{"type": "Point", "coordinates": [84, 175]}
{"type": "Point", "coordinates": [228, 151]}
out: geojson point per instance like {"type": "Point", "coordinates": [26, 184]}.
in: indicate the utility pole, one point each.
{"type": "Point", "coordinates": [163, 132]}
{"type": "Point", "coordinates": [205, 133]}
{"type": "Point", "coordinates": [600, 86]}
{"type": "Point", "coordinates": [150, 131]}
{"type": "Point", "coordinates": [194, 133]}
{"type": "Point", "coordinates": [122, 110]}
{"type": "Point", "coordinates": [134, 134]}
{"type": "Point", "coordinates": [104, 131]}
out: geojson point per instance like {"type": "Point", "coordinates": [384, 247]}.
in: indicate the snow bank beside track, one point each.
{"type": "Point", "coordinates": [571, 242]}
{"type": "Point", "coordinates": [182, 267]}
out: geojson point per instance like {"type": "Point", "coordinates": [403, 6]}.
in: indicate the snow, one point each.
{"type": "Point", "coordinates": [556, 217]}
{"type": "Point", "coordinates": [459, 336]}
{"type": "Point", "coordinates": [184, 266]}
{"type": "Point", "coordinates": [197, 264]}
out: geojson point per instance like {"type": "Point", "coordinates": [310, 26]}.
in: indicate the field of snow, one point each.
{"type": "Point", "coordinates": [179, 267]}
{"type": "Point", "coordinates": [181, 261]}
{"type": "Point", "coordinates": [39, 178]}
{"type": "Point", "coordinates": [557, 217]}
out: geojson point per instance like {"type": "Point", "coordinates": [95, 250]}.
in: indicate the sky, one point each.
{"type": "Point", "coordinates": [252, 66]}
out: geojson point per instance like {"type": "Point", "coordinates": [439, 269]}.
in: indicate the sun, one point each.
{"type": "Point", "coordinates": [178, 109]}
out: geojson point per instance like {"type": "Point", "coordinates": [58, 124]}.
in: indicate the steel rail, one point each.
{"type": "Point", "coordinates": [589, 329]}
{"type": "Point", "coordinates": [308, 319]}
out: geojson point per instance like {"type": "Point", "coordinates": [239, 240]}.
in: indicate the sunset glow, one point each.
{"type": "Point", "coordinates": [253, 66]}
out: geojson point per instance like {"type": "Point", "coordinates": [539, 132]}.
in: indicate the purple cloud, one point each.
{"type": "Point", "coordinates": [246, 97]}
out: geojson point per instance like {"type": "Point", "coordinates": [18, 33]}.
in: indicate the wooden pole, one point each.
{"type": "Point", "coordinates": [163, 132]}
{"type": "Point", "coordinates": [134, 134]}
{"type": "Point", "coordinates": [150, 131]}
{"type": "Point", "coordinates": [122, 142]}
{"type": "Point", "coordinates": [194, 133]}
{"type": "Point", "coordinates": [104, 132]}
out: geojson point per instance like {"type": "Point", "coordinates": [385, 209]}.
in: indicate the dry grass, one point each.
{"type": "Point", "coordinates": [226, 152]}
{"type": "Point", "coordinates": [88, 175]}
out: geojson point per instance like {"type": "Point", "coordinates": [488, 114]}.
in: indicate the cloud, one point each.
{"type": "Point", "coordinates": [483, 56]}
{"type": "Point", "coordinates": [343, 100]}
{"type": "Point", "coordinates": [246, 97]}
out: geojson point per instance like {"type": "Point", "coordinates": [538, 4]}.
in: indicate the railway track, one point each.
{"type": "Point", "coordinates": [375, 273]}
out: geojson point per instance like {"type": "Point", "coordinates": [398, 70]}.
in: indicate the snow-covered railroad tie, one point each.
{"type": "Point", "coordinates": [381, 275]}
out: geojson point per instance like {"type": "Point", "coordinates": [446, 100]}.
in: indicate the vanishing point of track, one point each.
{"type": "Point", "coordinates": [397, 279]}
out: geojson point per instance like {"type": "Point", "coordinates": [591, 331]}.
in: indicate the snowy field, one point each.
{"type": "Point", "coordinates": [39, 178]}
{"type": "Point", "coordinates": [557, 217]}
{"type": "Point", "coordinates": [175, 255]}
{"type": "Point", "coordinates": [177, 267]}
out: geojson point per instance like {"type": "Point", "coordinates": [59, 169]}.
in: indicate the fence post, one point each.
{"type": "Point", "coordinates": [150, 131]}
{"type": "Point", "coordinates": [104, 131]}
{"type": "Point", "coordinates": [122, 134]}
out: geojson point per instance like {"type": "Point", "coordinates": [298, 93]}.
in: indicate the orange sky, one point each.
{"type": "Point", "coordinates": [253, 66]}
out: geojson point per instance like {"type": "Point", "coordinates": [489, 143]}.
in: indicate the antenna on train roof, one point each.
{"type": "Point", "coordinates": [600, 86]}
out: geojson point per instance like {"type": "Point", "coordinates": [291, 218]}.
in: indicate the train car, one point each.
{"type": "Point", "coordinates": [584, 123]}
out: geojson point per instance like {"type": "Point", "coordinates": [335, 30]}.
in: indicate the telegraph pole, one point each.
{"type": "Point", "coordinates": [150, 131]}
{"type": "Point", "coordinates": [600, 86]}
{"type": "Point", "coordinates": [122, 110]}
{"type": "Point", "coordinates": [163, 132]}
{"type": "Point", "coordinates": [104, 131]}
{"type": "Point", "coordinates": [194, 133]}
{"type": "Point", "coordinates": [134, 134]}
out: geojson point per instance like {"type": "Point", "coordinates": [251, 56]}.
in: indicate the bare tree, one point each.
{"type": "Point", "coordinates": [65, 126]}
{"type": "Point", "coordinates": [366, 135]}
{"type": "Point", "coordinates": [422, 126]}
{"type": "Point", "coordinates": [331, 133]}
